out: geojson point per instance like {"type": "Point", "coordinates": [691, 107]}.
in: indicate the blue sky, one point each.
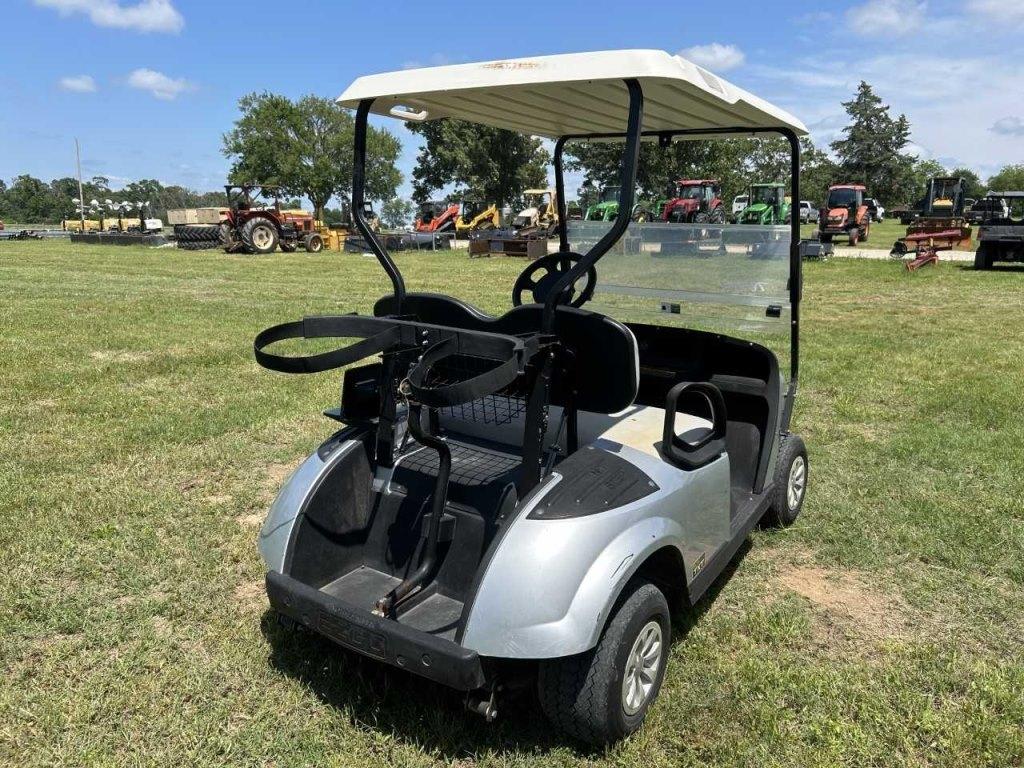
{"type": "Point", "coordinates": [149, 86]}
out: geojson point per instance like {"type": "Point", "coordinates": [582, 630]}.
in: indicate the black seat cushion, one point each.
{"type": "Point", "coordinates": [605, 374]}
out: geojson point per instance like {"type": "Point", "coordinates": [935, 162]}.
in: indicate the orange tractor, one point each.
{"type": "Point", "coordinates": [437, 216]}
{"type": "Point", "coordinates": [251, 228]}
{"type": "Point", "coordinates": [845, 214]}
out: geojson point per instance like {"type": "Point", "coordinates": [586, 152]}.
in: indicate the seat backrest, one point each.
{"type": "Point", "coordinates": [605, 372]}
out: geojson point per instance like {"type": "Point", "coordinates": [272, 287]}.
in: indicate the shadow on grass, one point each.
{"type": "Point", "coordinates": [426, 714]}
{"type": "Point", "coordinates": [1018, 268]}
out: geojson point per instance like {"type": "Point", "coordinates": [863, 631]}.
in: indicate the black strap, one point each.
{"type": "Point", "coordinates": [378, 334]}
{"type": "Point", "coordinates": [486, 383]}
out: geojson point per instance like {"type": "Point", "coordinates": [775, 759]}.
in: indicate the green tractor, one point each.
{"type": "Point", "coordinates": [607, 206]}
{"type": "Point", "coordinates": [768, 205]}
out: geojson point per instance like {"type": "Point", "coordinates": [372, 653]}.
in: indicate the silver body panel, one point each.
{"type": "Point", "coordinates": [549, 587]}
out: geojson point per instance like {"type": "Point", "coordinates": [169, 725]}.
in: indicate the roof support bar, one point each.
{"type": "Point", "coordinates": [563, 208]}
{"type": "Point", "coordinates": [627, 190]}
{"type": "Point", "coordinates": [358, 189]}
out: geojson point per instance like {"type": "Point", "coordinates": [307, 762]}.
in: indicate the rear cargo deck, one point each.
{"type": "Point", "coordinates": [435, 614]}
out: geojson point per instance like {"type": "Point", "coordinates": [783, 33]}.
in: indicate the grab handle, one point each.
{"type": "Point", "coordinates": [710, 444]}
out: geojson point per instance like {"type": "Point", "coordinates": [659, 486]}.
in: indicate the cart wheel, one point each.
{"type": "Point", "coordinates": [603, 695]}
{"type": "Point", "coordinates": [791, 473]}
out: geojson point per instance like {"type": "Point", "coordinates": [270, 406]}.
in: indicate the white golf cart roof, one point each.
{"type": "Point", "coordinates": [570, 95]}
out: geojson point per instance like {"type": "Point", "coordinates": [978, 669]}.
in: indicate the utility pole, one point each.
{"type": "Point", "coordinates": [81, 205]}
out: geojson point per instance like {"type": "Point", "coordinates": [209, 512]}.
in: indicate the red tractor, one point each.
{"type": "Point", "coordinates": [252, 228]}
{"type": "Point", "coordinates": [694, 201]}
{"type": "Point", "coordinates": [845, 214]}
{"type": "Point", "coordinates": [437, 216]}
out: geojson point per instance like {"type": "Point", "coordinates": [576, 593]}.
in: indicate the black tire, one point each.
{"type": "Point", "coordinates": [866, 233]}
{"type": "Point", "coordinates": [583, 694]}
{"type": "Point", "coordinates": [702, 218]}
{"type": "Point", "coordinates": [783, 511]}
{"type": "Point", "coordinates": [259, 235]}
{"type": "Point", "coordinates": [717, 216]}
{"type": "Point", "coordinates": [198, 245]}
{"type": "Point", "coordinates": [854, 235]}
{"type": "Point", "coordinates": [313, 243]}
{"type": "Point", "coordinates": [195, 233]}
{"type": "Point", "coordinates": [982, 259]}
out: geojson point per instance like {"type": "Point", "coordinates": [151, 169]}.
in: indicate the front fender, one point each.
{"type": "Point", "coordinates": [550, 585]}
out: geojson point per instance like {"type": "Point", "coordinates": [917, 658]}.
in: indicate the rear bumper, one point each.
{"type": "Point", "coordinates": [378, 638]}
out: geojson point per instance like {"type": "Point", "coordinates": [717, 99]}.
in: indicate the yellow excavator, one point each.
{"type": "Point", "coordinates": [475, 215]}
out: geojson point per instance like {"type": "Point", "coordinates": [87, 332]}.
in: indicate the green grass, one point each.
{"type": "Point", "coordinates": [141, 445]}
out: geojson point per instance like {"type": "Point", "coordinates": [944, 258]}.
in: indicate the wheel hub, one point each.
{"type": "Point", "coordinates": [642, 666]}
{"type": "Point", "coordinates": [261, 236]}
{"type": "Point", "coordinates": [797, 482]}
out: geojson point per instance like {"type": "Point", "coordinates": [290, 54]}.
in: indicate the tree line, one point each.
{"type": "Point", "coordinates": [305, 147]}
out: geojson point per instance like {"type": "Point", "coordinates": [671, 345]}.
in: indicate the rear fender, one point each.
{"type": "Point", "coordinates": [550, 586]}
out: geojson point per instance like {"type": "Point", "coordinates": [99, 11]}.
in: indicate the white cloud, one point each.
{"type": "Point", "coordinates": [715, 56]}
{"type": "Point", "coordinates": [144, 16]}
{"type": "Point", "coordinates": [998, 10]}
{"type": "Point", "coordinates": [887, 18]}
{"type": "Point", "coordinates": [159, 84]}
{"type": "Point", "coordinates": [78, 84]}
{"type": "Point", "coordinates": [1009, 126]}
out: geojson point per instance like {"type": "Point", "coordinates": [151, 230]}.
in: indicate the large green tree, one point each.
{"type": "Point", "coordinates": [305, 147]}
{"type": "Point", "coordinates": [489, 164]}
{"type": "Point", "coordinates": [817, 172]}
{"type": "Point", "coordinates": [396, 212]}
{"type": "Point", "coordinates": [1009, 179]}
{"type": "Point", "coordinates": [872, 150]}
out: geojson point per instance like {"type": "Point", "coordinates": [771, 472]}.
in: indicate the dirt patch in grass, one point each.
{"type": "Point", "coordinates": [250, 595]}
{"type": "Point", "coordinates": [848, 607]}
{"type": "Point", "coordinates": [278, 473]}
{"type": "Point", "coordinates": [255, 520]}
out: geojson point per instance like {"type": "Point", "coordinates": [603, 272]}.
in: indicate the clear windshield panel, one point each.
{"type": "Point", "coordinates": [840, 198]}
{"type": "Point", "coordinates": [722, 278]}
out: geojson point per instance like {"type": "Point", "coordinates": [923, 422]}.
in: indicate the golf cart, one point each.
{"type": "Point", "coordinates": [523, 496]}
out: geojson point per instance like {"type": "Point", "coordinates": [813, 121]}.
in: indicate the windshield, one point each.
{"type": "Point", "coordinates": [730, 279]}
{"type": "Point", "coordinates": [610, 194]}
{"type": "Point", "coordinates": [945, 190]}
{"type": "Point", "coordinates": [688, 191]}
{"type": "Point", "coordinates": [535, 201]}
{"type": "Point", "coordinates": [841, 198]}
{"type": "Point", "coordinates": [471, 209]}
{"type": "Point", "coordinates": [769, 195]}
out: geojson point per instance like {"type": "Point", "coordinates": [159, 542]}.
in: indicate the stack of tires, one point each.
{"type": "Point", "coordinates": [197, 237]}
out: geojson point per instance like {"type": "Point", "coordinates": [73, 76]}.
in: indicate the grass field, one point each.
{"type": "Point", "coordinates": [141, 446]}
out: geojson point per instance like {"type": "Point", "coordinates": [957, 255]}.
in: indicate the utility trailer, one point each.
{"type": "Point", "coordinates": [524, 496]}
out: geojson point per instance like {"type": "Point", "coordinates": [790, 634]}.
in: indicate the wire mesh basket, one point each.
{"type": "Point", "coordinates": [501, 407]}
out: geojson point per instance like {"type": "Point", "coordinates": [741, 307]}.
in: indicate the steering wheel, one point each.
{"type": "Point", "coordinates": [541, 276]}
